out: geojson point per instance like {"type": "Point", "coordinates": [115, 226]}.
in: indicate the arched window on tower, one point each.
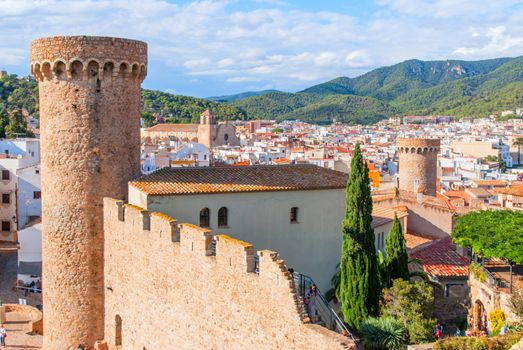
{"type": "Point", "coordinates": [205, 217]}
{"type": "Point", "coordinates": [223, 217]}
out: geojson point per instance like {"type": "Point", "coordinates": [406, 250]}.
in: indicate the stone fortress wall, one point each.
{"type": "Point", "coordinates": [166, 288]}
{"type": "Point", "coordinates": [89, 90]}
{"type": "Point", "coordinates": [418, 164]}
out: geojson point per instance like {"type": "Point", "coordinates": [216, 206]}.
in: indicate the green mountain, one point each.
{"type": "Point", "coordinates": [459, 88]}
{"type": "Point", "coordinates": [452, 87]}
{"type": "Point", "coordinates": [350, 108]}
{"type": "Point", "coordinates": [186, 109]}
{"type": "Point", "coordinates": [22, 93]}
{"type": "Point", "coordinates": [240, 96]}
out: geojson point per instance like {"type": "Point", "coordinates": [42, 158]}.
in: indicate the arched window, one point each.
{"type": "Point", "coordinates": [118, 330]}
{"type": "Point", "coordinates": [205, 217]}
{"type": "Point", "coordinates": [223, 218]}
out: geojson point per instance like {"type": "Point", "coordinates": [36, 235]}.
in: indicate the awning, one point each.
{"type": "Point", "coordinates": [30, 268]}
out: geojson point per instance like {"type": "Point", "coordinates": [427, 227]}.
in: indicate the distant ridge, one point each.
{"type": "Point", "coordinates": [451, 87]}
{"type": "Point", "coordinates": [240, 96]}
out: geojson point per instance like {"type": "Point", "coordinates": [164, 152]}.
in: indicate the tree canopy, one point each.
{"type": "Point", "coordinates": [359, 289]}
{"type": "Point", "coordinates": [492, 234]}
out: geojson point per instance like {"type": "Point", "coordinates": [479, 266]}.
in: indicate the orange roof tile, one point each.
{"type": "Point", "coordinates": [513, 191]}
{"type": "Point", "coordinates": [414, 240]}
{"type": "Point", "coordinates": [255, 178]}
{"type": "Point", "coordinates": [441, 259]}
{"type": "Point", "coordinates": [382, 215]}
{"type": "Point", "coordinates": [173, 128]}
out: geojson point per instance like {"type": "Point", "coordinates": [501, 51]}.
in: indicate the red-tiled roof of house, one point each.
{"type": "Point", "coordinates": [281, 161]}
{"type": "Point", "coordinates": [382, 215]}
{"type": "Point", "coordinates": [414, 239]}
{"type": "Point", "coordinates": [173, 128]}
{"type": "Point", "coordinates": [255, 178]}
{"type": "Point", "coordinates": [498, 183]}
{"type": "Point", "coordinates": [441, 259]}
{"type": "Point", "coordinates": [513, 191]}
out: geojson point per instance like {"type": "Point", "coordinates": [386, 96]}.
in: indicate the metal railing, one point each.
{"type": "Point", "coordinates": [326, 313]}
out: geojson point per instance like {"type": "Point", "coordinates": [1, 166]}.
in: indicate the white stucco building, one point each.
{"type": "Point", "coordinates": [30, 252]}
{"type": "Point", "coordinates": [296, 210]}
{"type": "Point", "coordinates": [16, 155]}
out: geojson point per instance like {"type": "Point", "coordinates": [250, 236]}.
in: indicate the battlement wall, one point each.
{"type": "Point", "coordinates": [176, 285]}
{"type": "Point", "coordinates": [427, 145]}
{"type": "Point", "coordinates": [83, 56]}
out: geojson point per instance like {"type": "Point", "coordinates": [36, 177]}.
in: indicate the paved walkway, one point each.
{"type": "Point", "coordinates": [18, 333]}
{"type": "Point", "coordinates": [17, 324]}
{"type": "Point", "coordinates": [8, 268]}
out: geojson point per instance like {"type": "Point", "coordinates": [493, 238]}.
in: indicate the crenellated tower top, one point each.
{"type": "Point", "coordinates": [405, 145]}
{"type": "Point", "coordinates": [84, 57]}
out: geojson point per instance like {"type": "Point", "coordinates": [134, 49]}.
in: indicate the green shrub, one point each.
{"type": "Point", "coordinates": [477, 270]}
{"type": "Point", "coordinates": [383, 333]}
{"type": "Point", "coordinates": [501, 342]}
{"type": "Point", "coordinates": [461, 343]}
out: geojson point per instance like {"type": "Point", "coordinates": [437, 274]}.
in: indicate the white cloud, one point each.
{"type": "Point", "coordinates": [271, 45]}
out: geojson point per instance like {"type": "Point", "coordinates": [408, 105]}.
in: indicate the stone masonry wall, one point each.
{"type": "Point", "coordinates": [89, 90]}
{"type": "Point", "coordinates": [170, 291]}
{"type": "Point", "coordinates": [418, 163]}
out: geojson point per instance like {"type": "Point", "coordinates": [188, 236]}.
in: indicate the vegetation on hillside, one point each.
{"type": "Point", "coordinates": [18, 93]}
{"type": "Point", "coordinates": [185, 109]}
{"type": "Point", "coordinates": [458, 88]}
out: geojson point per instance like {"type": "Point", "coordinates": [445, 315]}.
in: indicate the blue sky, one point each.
{"type": "Point", "coordinates": [217, 47]}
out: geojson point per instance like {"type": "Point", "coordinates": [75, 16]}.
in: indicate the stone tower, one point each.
{"type": "Point", "coordinates": [90, 136]}
{"type": "Point", "coordinates": [418, 164]}
{"type": "Point", "coordinates": [207, 128]}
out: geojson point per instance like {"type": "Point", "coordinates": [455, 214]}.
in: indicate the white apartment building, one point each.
{"type": "Point", "coordinates": [19, 184]}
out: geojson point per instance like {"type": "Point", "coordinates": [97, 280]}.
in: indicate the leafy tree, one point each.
{"type": "Point", "coordinates": [148, 119]}
{"type": "Point", "coordinates": [518, 142]}
{"type": "Point", "coordinates": [359, 290]}
{"type": "Point", "coordinates": [492, 234]}
{"type": "Point", "coordinates": [412, 304]}
{"type": "Point", "coordinates": [397, 261]}
{"type": "Point", "coordinates": [17, 125]}
{"type": "Point", "coordinates": [383, 333]}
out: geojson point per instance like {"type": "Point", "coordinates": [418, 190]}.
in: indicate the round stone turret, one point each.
{"type": "Point", "coordinates": [89, 90]}
{"type": "Point", "coordinates": [418, 164]}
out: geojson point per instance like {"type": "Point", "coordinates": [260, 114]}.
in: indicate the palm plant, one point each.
{"type": "Point", "coordinates": [383, 333]}
{"type": "Point", "coordinates": [518, 142]}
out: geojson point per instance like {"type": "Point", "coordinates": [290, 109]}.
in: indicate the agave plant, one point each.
{"type": "Point", "coordinates": [383, 334]}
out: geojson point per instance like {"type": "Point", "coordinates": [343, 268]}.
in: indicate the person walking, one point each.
{"type": "Point", "coordinates": [3, 335]}
{"type": "Point", "coordinates": [310, 301]}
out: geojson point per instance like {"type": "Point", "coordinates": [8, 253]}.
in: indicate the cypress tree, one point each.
{"type": "Point", "coordinates": [397, 260]}
{"type": "Point", "coordinates": [359, 285]}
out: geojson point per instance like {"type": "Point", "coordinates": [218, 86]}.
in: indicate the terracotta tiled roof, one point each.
{"type": "Point", "coordinates": [499, 183]}
{"type": "Point", "coordinates": [514, 191]}
{"type": "Point", "coordinates": [415, 240]}
{"type": "Point", "coordinates": [198, 180]}
{"type": "Point", "coordinates": [441, 259]}
{"type": "Point", "coordinates": [173, 128]}
{"type": "Point", "coordinates": [382, 215]}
